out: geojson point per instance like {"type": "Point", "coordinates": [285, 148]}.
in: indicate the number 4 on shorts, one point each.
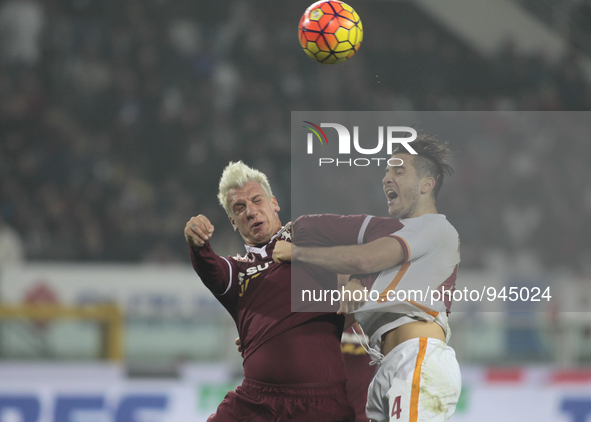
{"type": "Point", "coordinates": [396, 409]}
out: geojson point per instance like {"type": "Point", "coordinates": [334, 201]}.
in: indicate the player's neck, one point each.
{"type": "Point", "coordinates": [421, 210]}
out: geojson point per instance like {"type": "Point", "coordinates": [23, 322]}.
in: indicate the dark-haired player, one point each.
{"type": "Point", "coordinates": [293, 366]}
{"type": "Point", "coordinates": [419, 377]}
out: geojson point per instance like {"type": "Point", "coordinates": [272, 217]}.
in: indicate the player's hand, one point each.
{"type": "Point", "coordinates": [347, 306]}
{"type": "Point", "coordinates": [198, 231]}
{"type": "Point", "coordinates": [342, 280]}
{"type": "Point", "coordinates": [239, 344]}
{"type": "Point", "coordinates": [282, 251]}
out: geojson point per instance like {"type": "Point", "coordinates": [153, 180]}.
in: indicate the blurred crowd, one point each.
{"type": "Point", "coordinates": [117, 118]}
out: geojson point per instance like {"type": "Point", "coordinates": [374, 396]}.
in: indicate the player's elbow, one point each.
{"type": "Point", "coordinates": [363, 264]}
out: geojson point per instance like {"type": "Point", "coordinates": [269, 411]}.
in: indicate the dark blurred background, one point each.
{"type": "Point", "coordinates": [117, 117]}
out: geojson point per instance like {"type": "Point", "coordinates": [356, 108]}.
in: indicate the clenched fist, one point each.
{"type": "Point", "coordinates": [198, 231]}
{"type": "Point", "coordinates": [282, 251]}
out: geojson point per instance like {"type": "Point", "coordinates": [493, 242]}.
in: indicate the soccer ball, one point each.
{"type": "Point", "coordinates": [330, 31]}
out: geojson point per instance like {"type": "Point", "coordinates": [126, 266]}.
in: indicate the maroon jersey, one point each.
{"type": "Point", "coordinates": [324, 231]}
{"type": "Point", "coordinates": [359, 371]}
{"type": "Point", "coordinates": [281, 346]}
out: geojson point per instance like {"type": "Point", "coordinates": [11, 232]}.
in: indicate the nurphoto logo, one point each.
{"type": "Point", "coordinates": [345, 143]}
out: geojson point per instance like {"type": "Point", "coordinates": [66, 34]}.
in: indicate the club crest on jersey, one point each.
{"type": "Point", "coordinates": [241, 258]}
{"type": "Point", "coordinates": [285, 233]}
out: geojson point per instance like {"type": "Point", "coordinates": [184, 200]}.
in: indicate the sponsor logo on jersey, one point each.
{"type": "Point", "coordinates": [250, 274]}
{"type": "Point", "coordinates": [256, 269]}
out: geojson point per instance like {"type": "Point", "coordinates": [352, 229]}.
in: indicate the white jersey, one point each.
{"type": "Point", "coordinates": [431, 248]}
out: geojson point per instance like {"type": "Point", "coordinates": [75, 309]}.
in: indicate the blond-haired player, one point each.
{"type": "Point", "coordinates": [293, 366]}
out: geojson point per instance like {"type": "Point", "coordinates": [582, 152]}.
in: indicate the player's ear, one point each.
{"type": "Point", "coordinates": [233, 224]}
{"type": "Point", "coordinates": [427, 184]}
{"type": "Point", "coordinates": [275, 204]}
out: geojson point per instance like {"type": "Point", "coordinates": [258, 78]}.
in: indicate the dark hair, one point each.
{"type": "Point", "coordinates": [430, 159]}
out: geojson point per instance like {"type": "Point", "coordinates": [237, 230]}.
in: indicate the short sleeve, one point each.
{"type": "Point", "coordinates": [381, 227]}
{"type": "Point", "coordinates": [215, 271]}
{"type": "Point", "coordinates": [335, 230]}
{"type": "Point", "coordinates": [420, 236]}
{"type": "Point", "coordinates": [328, 229]}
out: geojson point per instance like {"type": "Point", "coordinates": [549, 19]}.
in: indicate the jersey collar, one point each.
{"type": "Point", "coordinates": [283, 234]}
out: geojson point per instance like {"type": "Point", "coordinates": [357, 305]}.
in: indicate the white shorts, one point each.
{"type": "Point", "coordinates": [418, 381]}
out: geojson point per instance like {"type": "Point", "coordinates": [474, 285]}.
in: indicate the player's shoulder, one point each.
{"type": "Point", "coordinates": [431, 224]}
{"type": "Point", "coordinates": [442, 229]}
{"type": "Point", "coordinates": [427, 221]}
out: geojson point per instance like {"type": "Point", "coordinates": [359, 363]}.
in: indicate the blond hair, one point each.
{"type": "Point", "coordinates": [235, 176]}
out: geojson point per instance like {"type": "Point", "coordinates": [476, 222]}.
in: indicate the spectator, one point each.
{"type": "Point", "coordinates": [21, 23]}
{"type": "Point", "coordinates": [11, 245]}
{"type": "Point", "coordinates": [109, 111]}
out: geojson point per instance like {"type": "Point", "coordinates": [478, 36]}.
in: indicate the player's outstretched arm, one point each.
{"type": "Point", "coordinates": [198, 231]}
{"type": "Point", "coordinates": [372, 257]}
{"type": "Point", "coordinates": [215, 272]}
